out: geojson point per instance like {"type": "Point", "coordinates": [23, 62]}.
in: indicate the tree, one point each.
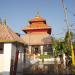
{"type": "Point", "coordinates": [67, 41]}
{"type": "Point", "coordinates": [54, 46]}
{"type": "Point", "coordinates": [69, 46]}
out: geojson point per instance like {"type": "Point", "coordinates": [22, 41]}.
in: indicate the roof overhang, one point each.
{"type": "Point", "coordinates": [10, 41]}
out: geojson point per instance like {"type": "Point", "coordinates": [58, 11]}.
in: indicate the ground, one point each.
{"type": "Point", "coordinates": [43, 69]}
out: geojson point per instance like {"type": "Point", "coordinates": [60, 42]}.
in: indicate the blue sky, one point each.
{"type": "Point", "coordinates": [19, 12]}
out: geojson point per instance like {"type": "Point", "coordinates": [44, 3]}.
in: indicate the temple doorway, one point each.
{"type": "Point", "coordinates": [35, 50]}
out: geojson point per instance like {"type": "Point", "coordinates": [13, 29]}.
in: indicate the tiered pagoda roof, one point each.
{"type": "Point", "coordinates": [37, 23]}
{"type": "Point", "coordinates": [37, 32]}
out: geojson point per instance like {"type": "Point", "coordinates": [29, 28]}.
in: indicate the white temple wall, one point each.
{"type": "Point", "coordinates": [7, 55]}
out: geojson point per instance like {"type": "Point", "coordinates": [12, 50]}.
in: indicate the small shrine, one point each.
{"type": "Point", "coordinates": [38, 36]}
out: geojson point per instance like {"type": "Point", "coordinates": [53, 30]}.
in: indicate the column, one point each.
{"type": "Point", "coordinates": [41, 47]}
{"type": "Point", "coordinates": [20, 62]}
{"type": "Point", "coordinates": [29, 49]}
{"type": "Point", "coordinates": [64, 57]}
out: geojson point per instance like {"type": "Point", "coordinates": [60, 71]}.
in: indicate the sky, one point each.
{"type": "Point", "coordinates": [19, 12]}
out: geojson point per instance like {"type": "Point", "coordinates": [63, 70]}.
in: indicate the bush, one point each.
{"type": "Point", "coordinates": [44, 56]}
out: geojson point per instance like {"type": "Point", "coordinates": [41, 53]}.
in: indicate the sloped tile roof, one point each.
{"type": "Point", "coordinates": [37, 23]}
{"type": "Point", "coordinates": [37, 26]}
{"type": "Point", "coordinates": [7, 35]}
{"type": "Point", "coordinates": [37, 39]}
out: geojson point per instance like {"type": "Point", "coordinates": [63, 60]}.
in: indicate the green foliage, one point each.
{"type": "Point", "coordinates": [44, 56]}
{"type": "Point", "coordinates": [68, 36]}
{"type": "Point", "coordinates": [67, 41]}
{"type": "Point", "coordinates": [74, 45]}
{"type": "Point", "coordinates": [49, 53]}
{"type": "Point", "coordinates": [62, 47]}
{"type": "Point", "coordinates": [54, 45]}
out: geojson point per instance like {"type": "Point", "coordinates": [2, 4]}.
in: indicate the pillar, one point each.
{"type": "Point", "coordinates": [64, 57]}
{"type": "Point", "coordinates": [20, 58]}
{"type": "Point", "coordinates": [41, 49]}
{"type": "Point", "coordinates": [29, 49]}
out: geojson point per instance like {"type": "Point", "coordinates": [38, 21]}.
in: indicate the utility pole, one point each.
{"type": "Point", "coordinates": [65, 13]}
{"type": "Point", "coordinates": [68, 30]}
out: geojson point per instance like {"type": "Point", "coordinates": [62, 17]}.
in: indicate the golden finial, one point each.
{"type": "Point", "coordinates": [37, 14]}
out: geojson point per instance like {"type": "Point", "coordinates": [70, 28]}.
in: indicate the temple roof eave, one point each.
{"type": "Point", "coordinates": [37, 43]}
{"type": "Point", "coordinates": [35, 28]}
{"type": "Point", "coordinates": [11, 41]}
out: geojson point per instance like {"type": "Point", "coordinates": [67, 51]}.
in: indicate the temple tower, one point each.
{"type": "Point", "coordinates": [37, 36]}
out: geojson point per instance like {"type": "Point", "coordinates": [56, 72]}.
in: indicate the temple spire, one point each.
{"type": "Point", "coordinates": [37, 14]}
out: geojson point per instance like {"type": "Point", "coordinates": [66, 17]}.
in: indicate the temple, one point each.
{"type": "Point", "coordinates": [37, 36]}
